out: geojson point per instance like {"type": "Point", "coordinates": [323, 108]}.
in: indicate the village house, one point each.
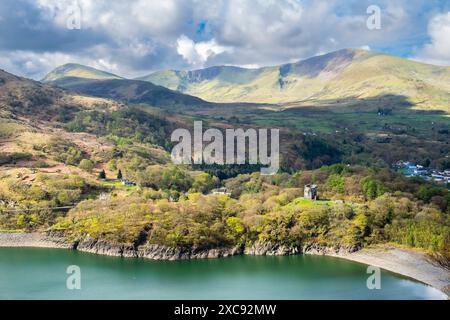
{"type": "Point", "coordinates": [128, 183]}
{"type": "Point", "coordinates": [220, 191]}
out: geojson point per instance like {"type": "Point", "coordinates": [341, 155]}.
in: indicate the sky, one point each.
{"type": "Point", "coordinates": [136, 37]}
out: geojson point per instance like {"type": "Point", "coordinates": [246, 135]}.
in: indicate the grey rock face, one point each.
{"type": "Point", "coordinates": [317, 249]}
{"type": "Point", "coordinates": [142, 249]}
{"type": "Point", "coordinates": [270, 249]}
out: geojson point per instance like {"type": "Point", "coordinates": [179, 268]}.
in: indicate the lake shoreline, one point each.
{"type": "Point", "coordinates": [405, 262]}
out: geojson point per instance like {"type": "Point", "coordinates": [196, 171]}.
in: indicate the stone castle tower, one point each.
{"type": "Point", "coordinates": [310, 192]}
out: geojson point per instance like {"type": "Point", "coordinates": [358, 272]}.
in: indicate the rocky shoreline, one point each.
{"type": "Point", "coordinates": [405, 262]}
{"type": "Point", "coordinates": [157, 252]}
{"type": "Point", "coordinates": [154, 251]}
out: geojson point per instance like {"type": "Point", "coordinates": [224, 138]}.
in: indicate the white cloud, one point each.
{"type": "Point", "coordinates": [137, 36]}
{"type": "Point", "coordinates": [274, 32]}
{"type": "Point", "coordinates": [123, 20]}
{"type": "Point", "coordinates": [437, 51]}
{"type": "Point", "coordinates": [31, 63]}
{"type": "Point", "coordinates": [198, 53]}
{"type": "Point", "coordinates": [36, 65]}
{"type": "Point", "coordinates": [246, 66]}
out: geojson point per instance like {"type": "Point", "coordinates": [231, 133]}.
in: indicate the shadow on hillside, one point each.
{"type": "Point", "coordinates": [384, 104]}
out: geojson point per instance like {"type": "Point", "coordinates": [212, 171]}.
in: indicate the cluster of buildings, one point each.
{"type": "Point", "coordinates": [410, 169]}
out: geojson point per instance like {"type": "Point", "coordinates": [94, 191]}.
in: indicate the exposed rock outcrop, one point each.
{"type": "Point", "coordinates": [107, 248]}
{"type": "Point", "coordinates": [141, 249]}
{"type": "Point", "coordinates": [409, 263]}
{"type": "Point", "coordinates": [147, 251]}
{"type": "Point", "coordinates": [270, 249]}
{"type": "Point", "coordinates": [274, 249]}
{"type": "Point", "coordinates": [159, 252]}
{"type": "Point", "coordinates": [317, 249]}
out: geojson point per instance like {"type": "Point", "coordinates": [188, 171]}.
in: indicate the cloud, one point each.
{"type": "Point", "coordinates": [437, 51]}
{"type": "Point", "coordinates": [33, 63]}
{"type": "Point", "coordinates": [198, 53]}
{"type": "Point", "coordinates": [135, 37]}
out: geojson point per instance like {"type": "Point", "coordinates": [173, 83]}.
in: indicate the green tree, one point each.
{"type": "Point", "coordinates": [426, 192]}
{"type": "Point", "coordinates": [175, 178]}
{"type": "Point", "coordinates": [372, 189]}
{"type": "Point", "coordinates": [335, 183]}
{"type": "Point", "coordinates": [102, 175]}
{"type": "Point", "coordinates": [204, 183]}
{"type": "Point", "coordinates": [86, 165]}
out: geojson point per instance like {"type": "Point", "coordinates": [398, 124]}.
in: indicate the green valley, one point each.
{"type": "Point", "coordinates": [64, 148]}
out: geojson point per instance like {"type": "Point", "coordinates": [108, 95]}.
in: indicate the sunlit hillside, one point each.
{"type": "Point", "coordinates": [335, 76]}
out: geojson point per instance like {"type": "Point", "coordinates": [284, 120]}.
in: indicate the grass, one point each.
{"type": "Point", "coordinates": [118, 185]}
{"type": "Point", "coordinates": [362, 118]}
{"type": "Point", "coordinates": [309, 203]}
{"type": "Point", "coordinates": [8, 128]}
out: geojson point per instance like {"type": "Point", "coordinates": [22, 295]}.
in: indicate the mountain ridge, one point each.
{"type": "Point", "coordinates": [333, 76]}
{"type": "Point", "coordinates": [77, 70]}
{"type": "Point", "coordinates": [97, 83]}
{"type": "Point", "coordinates": [132, 91]}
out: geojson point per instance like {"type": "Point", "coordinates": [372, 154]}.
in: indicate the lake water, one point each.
{"type": "Point", "coordinates": [31, 273]}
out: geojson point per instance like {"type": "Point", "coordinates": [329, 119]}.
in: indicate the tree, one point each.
{"type": "Point", "coordinates": [335, 183]}
{"type": "Point", "coordinates": [372, 189]}
{"type": "Point", "coordinates": [119, 175]}
{"type": "Point", "coordinates": [102, 175]}
{"type": "Point", "coordinates": [86, 165]}
{"type": "Point", "coordinates": [175, 178]}
{"type": "Point", "coordinates": [441, 257]}
{"type": "Point", "coordinates": [426, 192]}
{"type": "Point", "coordinates": [204, 182]}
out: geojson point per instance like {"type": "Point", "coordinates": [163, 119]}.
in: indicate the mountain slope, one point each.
{"type": "Point", "coordinates": [181, 80]}
{"type": "Point", "coordinates": [131, 91]}
{"type": "Point", "coordinates": [93, 82]}
{"type": "Point", "coordinates": [335, 76]}
{"type": "Point", "coordinates": [75, 70]}
{"type": "Point", "coordinates": [20, 96]}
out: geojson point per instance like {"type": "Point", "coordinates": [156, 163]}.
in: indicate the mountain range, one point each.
{"type": "Point", "coordinates": [97, 83]}
{"type": "Point", "coordinates": [381, 120]}
{"type": "Point", "coordinates": [325, 79]}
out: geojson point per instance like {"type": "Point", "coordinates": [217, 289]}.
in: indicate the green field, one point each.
{"type": "Point", "coordinates": [118, 185]}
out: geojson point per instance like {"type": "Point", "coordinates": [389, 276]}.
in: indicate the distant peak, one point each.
{"type": "Point", "coordinates": [78, 71]}
{"type": "Point", "coordinates": [348, 52]}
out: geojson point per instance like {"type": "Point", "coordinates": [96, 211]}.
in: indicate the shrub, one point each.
{"type": "Point", "coordinates": [86, 165]}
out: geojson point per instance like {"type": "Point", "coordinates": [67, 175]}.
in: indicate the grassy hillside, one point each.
{"type": "Point", "coordinates": [340, 78]}
{"type": "Point", "coordinates": [97, 83]}
{"type": "Point", "coordinates": [54, 144]}
{"type": "Point", "coordinates": [61, 150]}
{"type": "Point", "coordinates": [358, 107]}
{"type": "Point", "coordinates": [132, 91]}
{"type": "Point", "coordinates": [183, 80]}
{"type": "Point", "coordinates": [74, 70]}
{"type": "Point", "coordinates": [329, 78]}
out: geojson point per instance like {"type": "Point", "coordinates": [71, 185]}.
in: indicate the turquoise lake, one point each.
{"type": "Point", "coordinates": [31, 273]}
